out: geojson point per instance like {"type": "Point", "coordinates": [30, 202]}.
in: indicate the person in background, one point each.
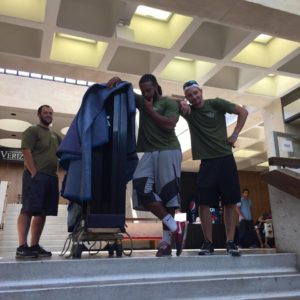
{"type": "Point", "coordinates": [247, 235]}
{"type": "Point", "coordinates": [156, 178]}
{"type": "Point", "coordinates": [40, 183]}
{"type": "Point", "coordinates": [218, 177]}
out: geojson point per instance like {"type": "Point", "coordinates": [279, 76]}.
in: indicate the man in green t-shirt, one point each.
{"type": "Point", "coordinates": [156, 178]}
{"type": "Point", "coordinates": [218, 177]}
{"type": "Point", "coordinates": [40, 183]}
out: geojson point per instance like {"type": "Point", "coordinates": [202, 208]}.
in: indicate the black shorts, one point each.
{"type": "Point", "coordinates": [40, 194]}
{"type": "Point", "coordinates": [218, 181]}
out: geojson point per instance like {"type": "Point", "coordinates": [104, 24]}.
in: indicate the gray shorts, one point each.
{"type": "Point", "coordinates": [156, 178]}
{"type": "Point", "coordinates": [40, 194]}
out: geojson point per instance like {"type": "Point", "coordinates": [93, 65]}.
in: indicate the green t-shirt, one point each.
{"type": "Point", "coordinates": [208, 129]}
{"type": "Point", "coordinates": [151, 137]}
{"type": "Point", "coordinates": [43, 144]}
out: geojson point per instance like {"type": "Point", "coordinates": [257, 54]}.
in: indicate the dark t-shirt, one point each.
{"type": "Point", "coordinates": [208, 129]}
{"type": "Point", "coordinates": [43, 144]}
{"type": "Point", "coordinates": [151, 137]}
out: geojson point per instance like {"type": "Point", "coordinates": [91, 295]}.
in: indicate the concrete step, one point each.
{"type": "Point", "coordinates": [253, 276]}
{"type": "Point", "coordinates": [271, 287]}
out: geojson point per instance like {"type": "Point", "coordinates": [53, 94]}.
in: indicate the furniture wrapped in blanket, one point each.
{"type": "Point", "coordinates": [99, 156]}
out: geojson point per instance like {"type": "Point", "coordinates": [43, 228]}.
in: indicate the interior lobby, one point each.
{"type": "Point", "coordinates": [244, 51]}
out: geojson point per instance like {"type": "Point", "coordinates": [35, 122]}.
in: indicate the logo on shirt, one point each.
{"type": "Point", "coordinates": [211, 114]}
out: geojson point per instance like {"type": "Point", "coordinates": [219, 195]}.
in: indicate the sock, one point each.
{"type": "Point", "coordinates": [169, 221]}
{"type": "Point", "coordinates": [167, 236]}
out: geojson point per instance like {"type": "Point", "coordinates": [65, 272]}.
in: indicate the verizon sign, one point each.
{"type": "Point", "coordinates": [11, 154]}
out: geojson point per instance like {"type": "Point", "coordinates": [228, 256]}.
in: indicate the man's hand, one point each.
{"type": "Point", "coordinates": [148, 104]}
{"type": "Point", "coordinates": [232, 139]}
{"type": "Point", "coordinates": [184, 108]}
{"type": "Point", "coordinates": [113, 82]}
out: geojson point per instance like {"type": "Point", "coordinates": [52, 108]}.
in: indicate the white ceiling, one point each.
{"type": "Point", "coordinates": [215, 35]}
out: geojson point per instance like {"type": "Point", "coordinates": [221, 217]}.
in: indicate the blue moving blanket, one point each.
{"type": "Point", "coordinates": [89, 129]}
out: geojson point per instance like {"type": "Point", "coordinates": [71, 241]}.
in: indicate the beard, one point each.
{"type": "Point", "coordinates": [45, 121]}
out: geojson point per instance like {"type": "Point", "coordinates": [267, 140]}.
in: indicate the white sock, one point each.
{"type": "Point", "coordinates": [166, 237]}
{"type": "Point", "coordinates": [169, 221]}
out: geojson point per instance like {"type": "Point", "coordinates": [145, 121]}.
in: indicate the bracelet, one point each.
{"type": "Point", "coordinates": [235, 135]}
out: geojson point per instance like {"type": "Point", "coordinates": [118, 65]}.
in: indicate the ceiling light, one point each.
{"type": "Point", "coordinates": [13, 125]}
{"type": "Point", "coordinates": [183, 58]}
{"type": "Point", "coordinates": [81, 82]}
{"type": "Point", "coordinates": [47, 77]}
{"type": "Point", "coordinates": [36, 75]}
{"type": "Point", "coordinates": [70, 80]}
{"type": "Point", "coordinates": [10, 143]}
{"type": "Point", "coordinates": [76, 38]}
{"type": "Point", "coordinates": [59, 79]}
{"type": "Point", "coordinates": [263, 39]}
{"type": "Point", "coordinates": [23, 73]}
{"type": "Point", "coordinates": [271, 75]}
{"type": "Point", "coordinates": [154, 13]}
{"type": "Point", "coordinates": [11, 72]}
{"type": "Point", "coordinates": [245, 153]}
{"type": "Point", "coordinates": [2, 70]}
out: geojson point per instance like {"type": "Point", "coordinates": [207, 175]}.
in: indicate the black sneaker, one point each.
{"type": "Point", "coordinates": [25, 252]}
{"type": "Point", "coordinates": [40, 252]}
{"type": "Point", "coordinates": [232, 249]}
{"type": "Point", "coordinates": [207, 248]}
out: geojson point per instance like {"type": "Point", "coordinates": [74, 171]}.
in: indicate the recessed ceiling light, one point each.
{"type": "Point", "coordinates": [23, 73]}
{"type": "Point", "coordinates": [47, 77]}
{"type": "Point", "coordinates": [13, 125]}
{"type": "Point", "coordinates": [154, 13]}
{"type": "Point", "coordinates": [70, 80]}
{"type": "Point", "coordinates": [263, 38]}
{"type": "Point", "coordinates": [10, 143]}
{"type": "Point", "coordinates": [271, 75]}
{"type": "Point", "coordinates": [59, 79]}
{"type": "Point", "coordinates": [36, 75]}
{"type": "Point", "coordinates": [76, 38]}
{"type": "Point", "coordinates": [11, 72]}
{"type": "Point", "coordinates": [81, 82]}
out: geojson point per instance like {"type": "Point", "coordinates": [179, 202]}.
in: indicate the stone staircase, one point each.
{"type": "Point", "coordinates": [53, 237]}
{"type": "Point", "coordinates": [257, 274]}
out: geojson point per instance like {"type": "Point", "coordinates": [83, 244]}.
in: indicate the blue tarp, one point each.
{"type": "Point", "coordinates": [89, 129]}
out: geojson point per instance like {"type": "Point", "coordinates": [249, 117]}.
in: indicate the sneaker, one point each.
{"type": "Point", "coordinates": [25, 252]}
{"type": "Point", "coordinates": [207, 248]}
{"type": "Point", "coordinates": [164, 249]}
{"type": "Point", "coordinates": [41, 252]}
{"type": "Point", "coordinates": [232, 249]}
{"type": "Point", "coordinates": [180, 236]}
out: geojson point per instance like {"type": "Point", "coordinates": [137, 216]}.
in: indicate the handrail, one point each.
{"type": "Point", "coordinates": [285, 162]}
{"type": "Point", "coordinates": [3, 201]}
{"type": "Point", "coordinates": [285, 180]}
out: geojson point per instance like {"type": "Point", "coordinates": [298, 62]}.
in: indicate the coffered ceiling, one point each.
{"type": "Point", "coordinates": [238, 50]}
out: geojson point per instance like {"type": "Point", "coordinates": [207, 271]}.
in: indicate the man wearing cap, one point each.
{"type": "Point", "coordinates": [217, 177]}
